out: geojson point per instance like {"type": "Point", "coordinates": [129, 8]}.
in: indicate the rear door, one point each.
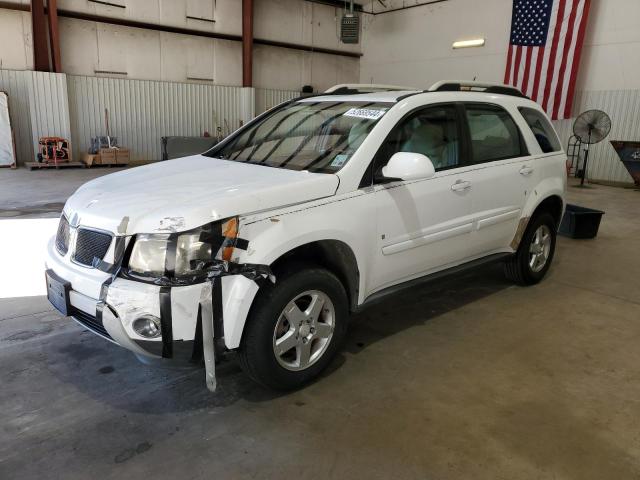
{"type": "Point", "coordinates": [503, 174]}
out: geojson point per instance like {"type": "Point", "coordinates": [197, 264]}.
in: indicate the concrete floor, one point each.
{"type": "Point", "coordinates": [47, 189]}
{"type": "Point", "coordinates": [472, 378]}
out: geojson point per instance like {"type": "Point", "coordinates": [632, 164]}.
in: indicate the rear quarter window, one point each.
{"type": "Point", "coordinates": [542, 130]}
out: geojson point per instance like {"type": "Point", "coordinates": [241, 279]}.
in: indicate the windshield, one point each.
{"type": "Point", "coordinates": [314, 136]}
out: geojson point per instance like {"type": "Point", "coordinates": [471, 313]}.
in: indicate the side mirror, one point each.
{"type": "Point", "coordinates": [409, 166]}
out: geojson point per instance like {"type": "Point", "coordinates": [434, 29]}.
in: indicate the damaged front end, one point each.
{"type": "Point", "coordinates": [161, 294]}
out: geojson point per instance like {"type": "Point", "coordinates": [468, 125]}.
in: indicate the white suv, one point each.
{"type": "Point", "coordinates": [315, 209]}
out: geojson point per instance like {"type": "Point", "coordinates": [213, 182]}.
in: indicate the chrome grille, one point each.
{"type": "Point", "coordinates": [62, 237]}
{"type": "Point", "coordinates": [91, 244]}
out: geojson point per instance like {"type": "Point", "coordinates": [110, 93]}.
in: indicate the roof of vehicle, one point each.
{"type": "Point", "coordinates": [392, 94]}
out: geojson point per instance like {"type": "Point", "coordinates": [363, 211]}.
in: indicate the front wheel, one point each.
{"type": "Point", "coordinates": [295, 328]}
{"type": "Point", "coordinates": [532, 260]}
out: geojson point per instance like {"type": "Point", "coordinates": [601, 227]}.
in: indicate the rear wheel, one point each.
{"type": "Point", "coordinates": [295, 328]}
{"type": "Point", "coordinates": [535, 253]}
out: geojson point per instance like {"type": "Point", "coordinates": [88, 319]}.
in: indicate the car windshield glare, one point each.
{"type": "Point", "coordinates": [316, 136]}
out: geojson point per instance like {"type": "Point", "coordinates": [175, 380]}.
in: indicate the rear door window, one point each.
{"type": "Point", "coordinates": [494, 134]}
{"type": "Point", "coordinates": [542, 130]}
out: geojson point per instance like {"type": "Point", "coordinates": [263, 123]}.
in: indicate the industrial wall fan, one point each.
{"type": "Point", "coordinates": [591, 127]}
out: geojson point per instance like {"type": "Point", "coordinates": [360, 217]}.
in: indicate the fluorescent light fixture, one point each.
{"type": "Point", "coordinates": [477, 42]}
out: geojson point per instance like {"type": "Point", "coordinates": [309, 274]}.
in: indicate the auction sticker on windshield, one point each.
{"type": "Point", "coordinates": [369, 113]}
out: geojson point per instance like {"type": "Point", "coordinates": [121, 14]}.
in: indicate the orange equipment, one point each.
{"type": "Point", "coordinates": [54, 150]}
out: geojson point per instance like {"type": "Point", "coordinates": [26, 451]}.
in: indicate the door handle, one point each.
{"type": "Point", "coordinates": [460, 186]}
{"type": "Point", "coordinates": [526, 171]}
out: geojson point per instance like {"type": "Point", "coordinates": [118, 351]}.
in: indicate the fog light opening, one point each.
{"type": "Point", "coordinates": [147, 326]}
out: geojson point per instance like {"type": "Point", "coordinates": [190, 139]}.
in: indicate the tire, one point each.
{"type": "Point", "coordinates": [519, 267]}
{"type": "Point", "coordinates": [269, 328]}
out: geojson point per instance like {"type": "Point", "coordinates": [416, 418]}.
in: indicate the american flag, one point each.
{"type": "Point", "coordinates": [544, 51]}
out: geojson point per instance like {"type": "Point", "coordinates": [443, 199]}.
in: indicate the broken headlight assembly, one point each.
{"type": "Point", "coordinates": [184, 257]}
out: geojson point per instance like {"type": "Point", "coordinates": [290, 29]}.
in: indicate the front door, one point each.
{"type": "Point", "coordinates": [422, 225]}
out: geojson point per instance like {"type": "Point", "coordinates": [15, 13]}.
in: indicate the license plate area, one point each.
{"type": "Point", "coordinates": [58, 292]}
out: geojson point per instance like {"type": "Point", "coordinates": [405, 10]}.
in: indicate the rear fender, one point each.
{"type": "Point", "coordinates": [552, 186]}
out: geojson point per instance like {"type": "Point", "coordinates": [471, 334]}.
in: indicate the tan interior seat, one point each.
{"type": "Point", "coordinates": [428, 139]}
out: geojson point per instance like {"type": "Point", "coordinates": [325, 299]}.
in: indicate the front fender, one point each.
{"type": "Point", "coordinates": [271, 238]}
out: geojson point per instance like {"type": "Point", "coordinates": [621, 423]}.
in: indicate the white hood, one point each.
{"type": "Point", "coordinates": [185, 193]}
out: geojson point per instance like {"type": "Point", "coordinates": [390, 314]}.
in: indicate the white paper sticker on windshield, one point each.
{"type": "Point", "coordinates": [339, 160]}
{"type": "Point", "coordinates": [368, 113]}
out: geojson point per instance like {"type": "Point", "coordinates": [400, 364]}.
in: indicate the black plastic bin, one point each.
{"type": "Point", "coordinates": [580, 222]}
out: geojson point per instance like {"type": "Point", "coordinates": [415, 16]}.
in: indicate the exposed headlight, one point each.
{"type": "Point", "coordinates": [149, 254]}
{"type": "Point", "coordinates": [183, 255]}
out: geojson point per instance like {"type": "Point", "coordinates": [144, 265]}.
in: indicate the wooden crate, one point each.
{"type": "Point", "coordinates": [108, 155]}
{"type": "Point", "coordinates": [122, 156]}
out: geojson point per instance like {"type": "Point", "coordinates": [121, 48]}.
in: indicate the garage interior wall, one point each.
{"type": "Point", "coordinates": [141, 112]}
{"type": "Point", "coordinates": [180, 84]}
{"type": "Point", "coordinates": [414, 47]}
{"type": "Point", "coordinates": [407, 47]}
{"type": "Point", "coordinates": [89, 47]}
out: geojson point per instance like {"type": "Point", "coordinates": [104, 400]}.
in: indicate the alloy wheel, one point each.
{"type": "Point", "coordinates": [304, 330]}
{"type": "Point", "coordinates": [540, 248]}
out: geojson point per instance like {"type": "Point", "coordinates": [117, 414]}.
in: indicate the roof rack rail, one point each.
{"type": "Point", "coordinates": [355, 88]}
{"type": "Point", "coordinates": [468, 86]}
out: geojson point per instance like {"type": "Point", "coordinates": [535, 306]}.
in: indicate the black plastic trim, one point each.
{"type": "Point", "coordinates": [166, 322]}
{"type": "Point", "coordinates": [495, 89]}
{"type": "Point", "coordinates": [218, 315]}
{"type": "Point", "coordinates": [465, 267]}
{"type": "Point", "coordinates": [94, 324]}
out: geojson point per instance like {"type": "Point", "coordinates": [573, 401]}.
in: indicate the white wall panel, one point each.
{"type": "Point", "coordinates": [267, 98]}
{"type": "Point", "coordinates": [141, 112]}
{"type": "Point", "coordinates": [95, 48]}
{"type": "Point", "coordinates": [16, 45]}
{"type": "Point", "coordinates": [623, 106]}
{"type": "Point", "coordinates": [414, 47]}
{"type": "Point", "coordinates": [48, 105]}
{"type": "Point", "coordinates": [292, 69]}
{"type": "Point", "coordinates": [14, 83]}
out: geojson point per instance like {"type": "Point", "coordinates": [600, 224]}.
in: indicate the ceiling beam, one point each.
{"type": "Point", "coordinates": [54, 35]}
{"type": "Point", "coordinates": [247, 43]}
{"type": "Point", "coordinates": [39, 29]}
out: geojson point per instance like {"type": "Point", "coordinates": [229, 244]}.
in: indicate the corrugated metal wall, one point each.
{"type": "Point", "coordinates": [15, 85]}
{"type": "Point", "coordinates": [267, 98]}
{"type": "Point", "coordinates": [39, 107]}
{"type": "Point", "coordinates": [623, 106]}
{"type": "Point", "coordinates": [141, 112]}
{"type": "Point", "coordinates": [48, 105]}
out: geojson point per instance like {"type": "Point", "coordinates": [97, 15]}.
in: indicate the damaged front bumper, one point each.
{"type": "Point", "coordinates": [194, 318]}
